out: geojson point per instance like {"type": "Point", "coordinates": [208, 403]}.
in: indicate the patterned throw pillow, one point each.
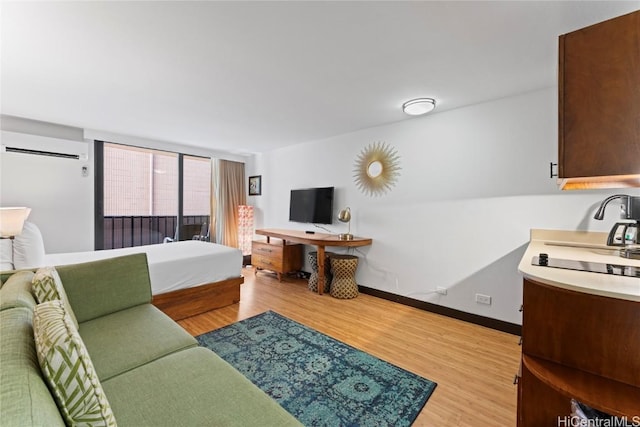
{"type": "Point", "coordinates": [47, 286]}
{"type": "Point", "coordinates": [66, 365]}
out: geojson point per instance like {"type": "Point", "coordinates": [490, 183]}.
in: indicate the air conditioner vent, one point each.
{"type": "Point", "coordinates": [41, 153]}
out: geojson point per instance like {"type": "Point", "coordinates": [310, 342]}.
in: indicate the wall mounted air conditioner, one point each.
{"type": "Point", "coordinates": [20, 143]}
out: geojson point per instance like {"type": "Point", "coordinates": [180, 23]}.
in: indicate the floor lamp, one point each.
{"type": "Point", "coordinates": [245, 231]}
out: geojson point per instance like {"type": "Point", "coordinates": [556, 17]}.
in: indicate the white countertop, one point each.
{"type": "Point", "coordinates": [580, 246]}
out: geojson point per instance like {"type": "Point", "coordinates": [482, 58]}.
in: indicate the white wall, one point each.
{"type": "Point", "coordinates": [61, 199]}
{"type": "Point", "coordinates": [474, 181]}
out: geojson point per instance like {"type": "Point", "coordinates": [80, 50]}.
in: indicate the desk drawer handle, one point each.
{"type": "Point", "coordinates": [516, 379]}
{"type": "Point", "coordinates": [265, 250]}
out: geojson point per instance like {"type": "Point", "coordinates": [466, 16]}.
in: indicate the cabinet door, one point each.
{"type": "Point", "coordinates": [539, 404]}
{"type": "Point", "coordinates": [599, 99]}
{"type": "Point", "coordinates": [588, 332]}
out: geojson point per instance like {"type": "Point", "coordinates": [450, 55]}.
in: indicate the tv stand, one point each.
{"type": "Point", "coordinates": [320, 240]}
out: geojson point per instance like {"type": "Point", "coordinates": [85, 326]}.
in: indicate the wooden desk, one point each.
{"type": "Point", "coordinates": [320, 240]}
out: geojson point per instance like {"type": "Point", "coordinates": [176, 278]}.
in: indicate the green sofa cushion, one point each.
{"type": "Point", "coordinates": [127, 339]}
{"type": "Point", "coordinates": [24, 397]}
{"type": "Point", "coordinates": [102, 287]}
{"type": "Point", "coordinates": [16, 291]}
{"type": "Point", "coordinates": [193, 387]}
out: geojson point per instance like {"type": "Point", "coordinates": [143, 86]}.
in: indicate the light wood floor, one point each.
{"type": "Point", "coordinates": [473, 366]}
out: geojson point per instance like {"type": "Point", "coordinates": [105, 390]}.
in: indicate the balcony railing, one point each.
{"type": "Point", "coordinates": [129, 231]}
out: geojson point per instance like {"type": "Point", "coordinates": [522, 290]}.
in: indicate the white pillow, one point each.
{"type": "Point", "coordinates": [6, 254]}
{"type": "Point", "coordinates": [28, 248]}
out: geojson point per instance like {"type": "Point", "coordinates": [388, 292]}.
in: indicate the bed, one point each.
{"type": "Point", "coordinates": [187, 278]}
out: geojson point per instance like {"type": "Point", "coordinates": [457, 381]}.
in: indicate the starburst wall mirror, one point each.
{"type": "Point", "coordinates": [376, 169]}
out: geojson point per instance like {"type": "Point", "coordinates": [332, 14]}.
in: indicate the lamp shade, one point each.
{"type": "Point", "coordinates": [345, 216]}
{"type": "Point", "coordinates": [245, 228]}
{"type": "Point", "coordinates": [12, 220]}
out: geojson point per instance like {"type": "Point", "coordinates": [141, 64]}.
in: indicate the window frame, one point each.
{"type": "Point", "coordinates": [99, 217]}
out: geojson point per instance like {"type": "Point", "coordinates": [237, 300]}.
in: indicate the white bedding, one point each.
{"type": "Point", "coordinates": [172, 266]}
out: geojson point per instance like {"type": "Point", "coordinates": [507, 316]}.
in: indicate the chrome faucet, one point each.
{"type": "Point", "coordinates": [630, 207]}
{"type": "Point", "coordinates": [623, 233]}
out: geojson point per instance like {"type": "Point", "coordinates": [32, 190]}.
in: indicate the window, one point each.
{"type": "Point", "coordinates": [196, 193]}
{"type": "Point", "coordinates": [196, 186]}
{"type": "Point", "coordinates": [139, 196]}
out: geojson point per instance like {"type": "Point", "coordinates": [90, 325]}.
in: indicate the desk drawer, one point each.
{"type": "Point", "coordinates": [260, 261]}
{"type": "Point", "coordinates": [276, 257]}
{"type": "Point", "coordinates": [267, 251]}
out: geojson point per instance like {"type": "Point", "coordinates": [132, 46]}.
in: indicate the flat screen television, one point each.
{"type": "Point", "coordinates": [311, 205]}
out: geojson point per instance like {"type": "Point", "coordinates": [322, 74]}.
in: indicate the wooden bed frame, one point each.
{"type": "Point", "coordinates": [189, 302]}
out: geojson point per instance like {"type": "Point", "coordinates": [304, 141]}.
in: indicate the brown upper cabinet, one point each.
{"type": "Point", "coordinates": [599, 105]}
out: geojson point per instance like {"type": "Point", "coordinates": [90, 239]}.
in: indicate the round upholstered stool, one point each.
{"type": "Point", "coordinates": [313, 279]}
{"type": "Point", "coordinates": [343, 268]}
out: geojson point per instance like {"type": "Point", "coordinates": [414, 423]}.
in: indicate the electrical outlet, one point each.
{"type": "Point", "coordinates": [483, 299]}
{"type": "Point", "coordinates": [441, 290]}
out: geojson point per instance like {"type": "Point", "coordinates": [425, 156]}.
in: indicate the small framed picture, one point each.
{"type": "Point", "coordinates": [255, 185]}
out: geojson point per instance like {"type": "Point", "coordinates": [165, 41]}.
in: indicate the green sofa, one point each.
{"type": "Point", "coordinates": [152, 371]}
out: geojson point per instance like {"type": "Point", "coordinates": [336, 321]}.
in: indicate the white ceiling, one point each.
{"type": "Point", "coordinates": [254, 76]}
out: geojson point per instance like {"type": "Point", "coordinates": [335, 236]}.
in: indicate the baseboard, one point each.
{"type": "Point", "coordinates": [500, 325]}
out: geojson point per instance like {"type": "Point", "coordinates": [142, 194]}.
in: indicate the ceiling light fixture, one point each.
{"type": "Point", "coordinates": [419, 106]}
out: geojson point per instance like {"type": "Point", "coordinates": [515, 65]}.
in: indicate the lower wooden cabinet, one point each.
{"type": "Point", "coordinates": [276, 256]}
{"type": "Point", "coordinates": [542, 406]}
{"type": "Point", "coordinates": [579, 346]}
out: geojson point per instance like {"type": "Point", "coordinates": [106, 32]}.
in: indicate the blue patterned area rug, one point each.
{"type": "Point", "coordinates": [317, 379]}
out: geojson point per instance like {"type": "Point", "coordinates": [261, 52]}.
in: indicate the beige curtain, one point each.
{"type": "Point", "coordinates": [227, 193]}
